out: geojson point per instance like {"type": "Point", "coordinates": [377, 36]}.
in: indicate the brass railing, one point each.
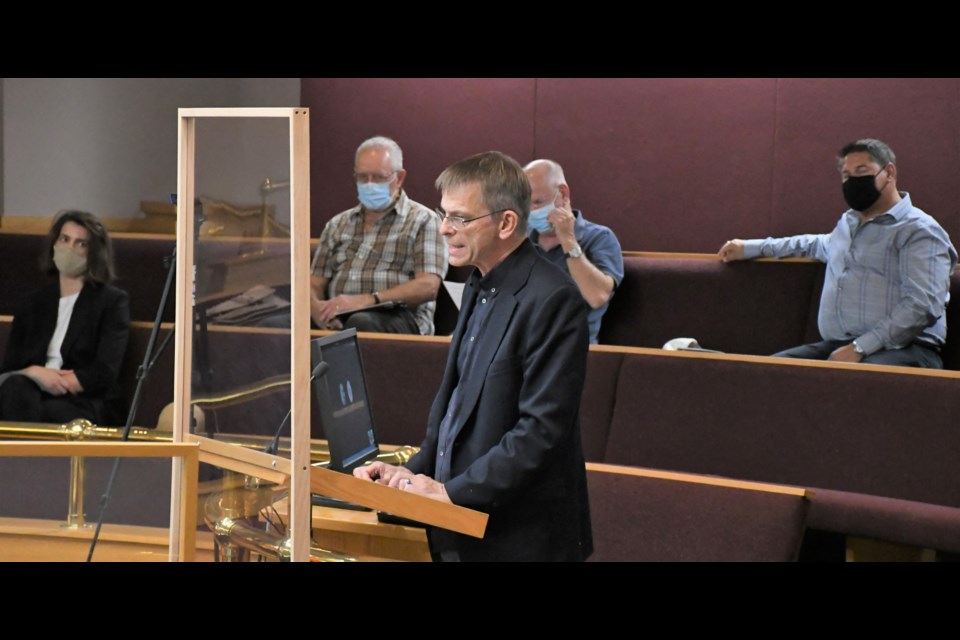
{"type": "Point", "coordinates": [230, 524]}
{"type": "Point", "coordinates": [228, 515]}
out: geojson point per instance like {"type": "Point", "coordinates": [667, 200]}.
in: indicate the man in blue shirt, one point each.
{"type": "Point", "coordinates": [588, 252]}
{"type": "Point", "coordinates": [888, 269]}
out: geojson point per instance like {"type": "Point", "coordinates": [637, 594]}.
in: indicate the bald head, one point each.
{"type": "Point", "coordinates": [547, 170]}
{"type": "Point", "coordinates": [546, 180]}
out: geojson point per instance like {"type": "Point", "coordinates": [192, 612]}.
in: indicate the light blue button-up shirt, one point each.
{"type": "Point", "coordinates": [888, 279]}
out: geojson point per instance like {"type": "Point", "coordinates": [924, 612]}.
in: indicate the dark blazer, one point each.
{"type": "Point", "coordinates": [93, 346]}
{"type": "Point", "coordinates": [518, 456]}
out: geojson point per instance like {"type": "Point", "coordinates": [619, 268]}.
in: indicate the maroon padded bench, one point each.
{"type": "Point", "coordinates": [878, 445]}
{"type": "Point", "coordinates": [752, 307]}
{"type": "Point", "coordinates": [645, 515]}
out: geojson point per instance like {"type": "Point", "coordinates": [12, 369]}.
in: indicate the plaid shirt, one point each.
{"type": "Point", "coordinates": [404, 242]}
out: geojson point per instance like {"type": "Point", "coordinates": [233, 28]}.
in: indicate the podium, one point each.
{"type": "Point", "coordinates": [277, 469]}
{"type": "Point", "coordinates": [400, 503]}
{"type": "Point", "coordinates": [226, 507]}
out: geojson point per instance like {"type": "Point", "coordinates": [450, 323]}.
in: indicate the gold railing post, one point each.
{"type": "Point", "coordinates": [76, 518]}
{"type": "Point", "coordinates": [78, 429]}
{"type": "Point", "coordinates": [231, 504]}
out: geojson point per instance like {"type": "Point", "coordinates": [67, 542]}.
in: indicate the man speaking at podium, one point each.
{"type": "Point", "coordinates": [503, 434]}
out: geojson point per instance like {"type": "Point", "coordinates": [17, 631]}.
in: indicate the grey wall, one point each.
{"type": "Point", "coordinates": [234, 155]}
{"type": "Point", "coordinates": [105, 144]}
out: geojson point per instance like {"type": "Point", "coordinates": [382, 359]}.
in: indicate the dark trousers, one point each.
{"type": "Point", "coordinates": [383, 321]}
{"type": "Point", "coordinates": [376, 320]}
{"type": "Point", "coordinates": [913, 355]}
{"type": "Point", "coordinates": [21, 400]}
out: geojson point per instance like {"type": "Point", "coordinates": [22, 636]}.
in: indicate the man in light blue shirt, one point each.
{"type": "Point", "coordinates": [888, 271]}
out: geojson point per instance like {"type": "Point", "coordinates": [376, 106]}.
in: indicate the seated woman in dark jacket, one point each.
{"type": "Point", "coordinates": [68, 339]}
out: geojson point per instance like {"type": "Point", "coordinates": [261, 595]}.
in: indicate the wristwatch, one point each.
{"type": "Point", "coordinates": [376, 297]}
{"type": "Point", "coordinates": [857, 349]}
{"type": "Point", "coordinates": [575, 252]}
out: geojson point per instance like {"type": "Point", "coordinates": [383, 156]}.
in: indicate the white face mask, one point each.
{"type": "Point", "coordinates": [69, 262]}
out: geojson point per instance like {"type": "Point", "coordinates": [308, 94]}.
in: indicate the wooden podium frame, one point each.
{"type": "Point", "coordinates": [409, 505]}
{"type": "Point", "coordinates": [296, 470]}
{"type": "Point", "coordinates": [299, 135]}
{"type": "Point", "coordinates": [343, 486]}
{"type": "Point", "coordinates": [186, 462]}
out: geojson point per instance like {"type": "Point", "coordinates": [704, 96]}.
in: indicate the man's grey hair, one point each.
{"type": "Point", "coordinates": [382, 142]}
{"type": "Point", "coordinates": [879, 151]}
{"type": "Point", "coordinates": [503, 184]}
{"type": "Point", "coordinates": [555, 176]}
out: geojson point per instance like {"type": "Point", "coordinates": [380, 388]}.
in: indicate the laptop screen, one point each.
{"type": "Point", "coordinates": [341, 399]}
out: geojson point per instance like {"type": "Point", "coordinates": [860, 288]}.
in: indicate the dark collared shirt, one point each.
{"type": "Point", "coordinates": [485, 290]}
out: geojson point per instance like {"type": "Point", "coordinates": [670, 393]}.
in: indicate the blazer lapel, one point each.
{"type": "Point", "coordinates": [47, 321]}
{"type": "Point", "coordinates": [497, 326]}
{"type": "Point", "coordinates": [80, 310]}
{"type": "Point", "coordinates": [450, 373]}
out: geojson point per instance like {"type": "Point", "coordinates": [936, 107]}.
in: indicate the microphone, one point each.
{"type": "Point", "coordinates": [318, 372]}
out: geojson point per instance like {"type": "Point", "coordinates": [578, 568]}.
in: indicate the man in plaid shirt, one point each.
{"type": "Point", "coordinates": [386, 249]}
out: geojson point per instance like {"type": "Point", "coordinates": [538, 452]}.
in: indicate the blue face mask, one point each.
{"type": "Point", "coordinates": [538, 218]}
{"type": "Point", "coordinates": [374, 195]}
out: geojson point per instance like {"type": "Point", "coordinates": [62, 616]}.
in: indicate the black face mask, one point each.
{"type": "Point", "coordinates": [861, 192]}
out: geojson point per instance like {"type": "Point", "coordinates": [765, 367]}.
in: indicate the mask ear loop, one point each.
{"type": "Point", "coordinates": [888, 176]}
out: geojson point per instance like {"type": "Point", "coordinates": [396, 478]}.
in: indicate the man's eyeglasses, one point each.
{"type": "Point", "coordinates": [459, 222]}
{"type": "Point", "coordinates": [544, 201]}
{"type": "Point", "coordinates": [363, 178]}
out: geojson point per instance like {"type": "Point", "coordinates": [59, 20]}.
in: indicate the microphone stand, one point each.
{"type": "Point", "coordinates": [318, 372]}
{"type": "Point", "coordinates": [149, 360]}
{"type": "Point", "coordinates": [142, 371]}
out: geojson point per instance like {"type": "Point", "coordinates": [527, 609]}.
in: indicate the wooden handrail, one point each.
{"type": "Point", "coordinates": [715, 481]}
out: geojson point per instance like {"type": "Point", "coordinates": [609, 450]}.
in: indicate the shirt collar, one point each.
{"type": "Point", "coordinates": [494, 280]}
{"type": "Point", "coordinates": [896, 213]}
{"type": "Point", "coordinates": [902, 208]}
